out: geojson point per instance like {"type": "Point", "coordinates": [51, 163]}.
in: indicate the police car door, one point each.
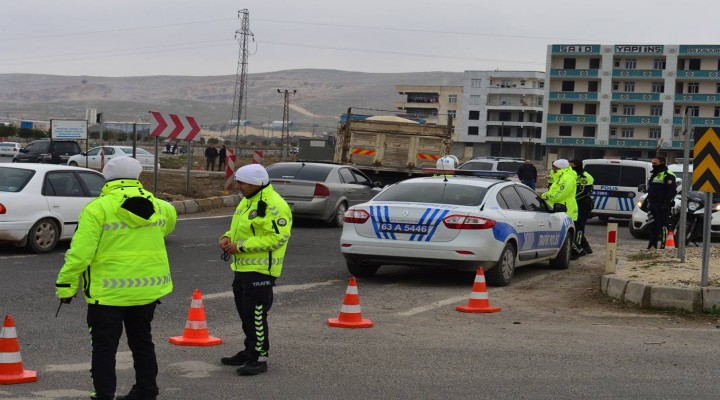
{"type": "Point", "coordinates": [522, 219]}
{"type": "Point", "coordinates": [548, 235]}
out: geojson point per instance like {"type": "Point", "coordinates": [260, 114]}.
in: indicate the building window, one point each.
{"type": "Point", "coordinates": [566, 108]}
{"type": "Point", "coordinates": [677, 131]}
{"type": "Point", "coordinates": [616, 63]}
{"type": "Point", "coordinates": [476, 83]}
{"type": "Point", "coordinates": [452, 99]}
{"type": "Point", "coordinates": [569, 63]}
{"type": "Point", "coordinates": [522, 82]}
{"type": "Point", "coordinates": [658, 87]}
{"type": "Point", "coordinates": [613, 109]}
{"type": "Point", "coordinates": [565, 130]}
{"type": "Point", "coordinates": [506, 83]}
{"type": "Point", "coordinates": [590, 109]}
{"type": "Point", "coordinates": [629, 86]}
{"type": "Point", "coordinates": [475, 100]}
{"type": "Point", "coordinates": [541, 84]}
{"type": "Point", "coordinates": [694, 64]}
{"type": "Point", "coordinates": [613, 131]}
{"type": "Point", "coordinates": [629, 109]}
{"type": "Point", "coordinates": [630, 63]}
{"type": "Point", "coordinates": [592, 86]}
{"type": "Point", "coordinates": [627, 132]}
{"type": "Point", "coordinates": [568, 86]}
{"type": "Point", "coordinates": [659, 63]}
{"type": "Point", "coordinates": [452, 113]}
{"type": "Point", "coordinates": [473, 130]}
{"type": "Point", "coordinates": [717, 112]}
{"type": "Point", "coordinates": [588, 131]}
{"type": "Point", "coordinates": [474, 115]}
{"type": "Point", "coordinates": [717, 87]}
{"type": "Point", "coordinates": [693, 111]}
{"type": "Point", "coordinates": [654, 133]}
{"type": "Point", "coordinates": [676, 110]}
{"type": "Point", "coordinates": [656, 111]}
{"type": "Point", "coordinates": [693, 87]}
{"type": "Point", "coordinates": [594, 63]}
{"type": "Point", "coordinates": [615, 86]}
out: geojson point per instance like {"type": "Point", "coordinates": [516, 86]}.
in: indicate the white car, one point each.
{"type": "Point", "coordinates": [96, 156]}
{"type": "Point", "coordinates": [460, 222]}
{"type": "Point", "coordinates": [9, 149]}
{"type": "Point", "coordinates": [639, 220]}
{"type": "Point", "coordinates": [40, 203]}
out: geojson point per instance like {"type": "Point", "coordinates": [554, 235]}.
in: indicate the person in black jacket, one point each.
{"type": "Point", "coordinates": [661, 191]}
{"type": "Point", "coordinates": [585, 206]}
{"type": "Point", "coordinates": [221, 159]}
{"type": "Point", "coordinates": [527, 173]}
{"type": "Point", "coordinates": [211, 154]}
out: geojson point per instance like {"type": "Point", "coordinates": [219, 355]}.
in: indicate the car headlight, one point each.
{"type": "Point", "coordinates": [717, 207]}
{"type": "Point", "coordinates": [638, 204]}
{"type": "Point", "coordinates": [692, 206]}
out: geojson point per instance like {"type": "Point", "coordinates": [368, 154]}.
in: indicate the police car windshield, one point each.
{"type": "Point", "coordinates": [423, 192]}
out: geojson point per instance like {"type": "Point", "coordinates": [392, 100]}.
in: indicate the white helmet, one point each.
{"type": "Point", "coordinates": [448, 163]}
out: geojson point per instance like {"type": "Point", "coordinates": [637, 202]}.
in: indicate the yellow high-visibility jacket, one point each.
{"type": "Point", "coordinates": [563, 191]}
{"type": "Point", "coordinates": [119, 248]}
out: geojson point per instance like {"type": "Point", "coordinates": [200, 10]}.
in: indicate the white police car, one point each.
{"type": "Point", "coordinates": [461, 222]}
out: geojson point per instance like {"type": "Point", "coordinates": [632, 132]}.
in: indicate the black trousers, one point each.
{"type": "Point", "coordinates": [659, 220]}
{"type": "Point", "coordinates": [106, 327]}
{"type": "Point", "coordinates": [253, 299]}
{"type": "Point", "coordinates": [581, 242]}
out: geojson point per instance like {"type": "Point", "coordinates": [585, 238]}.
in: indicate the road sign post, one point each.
{"type": "Point", "coordinates": [611, 249]}
{"type": "Point", "coordinates": [706, 178]}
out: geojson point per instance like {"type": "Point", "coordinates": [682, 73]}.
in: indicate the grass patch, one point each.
{"type": "Point", "coordinates": [649, 256]}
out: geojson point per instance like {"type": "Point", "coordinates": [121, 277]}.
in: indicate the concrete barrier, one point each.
{"type": "Point", "coordinates": [711, 299]}
{"type": "Point", "coordinates": [638, 293]}
{"type": "Point", "coordinates": [179, 206]}
{"type": "Point", "coordinates": [616, 287]}
{"type": "Point", "coordinates": [191, 206]}
{"type": "Point", "coordinates": [204, 204]}
{"type": "Point", "coordinates": [688, 299]}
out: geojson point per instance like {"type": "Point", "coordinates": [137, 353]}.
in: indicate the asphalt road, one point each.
{"type": "Point", "coordinates": [554, 338]}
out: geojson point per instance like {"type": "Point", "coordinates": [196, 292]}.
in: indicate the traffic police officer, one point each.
{"type": "Point", "coordinates": [562, 191]}
{"type": "Point", "coordinates": [585, 205]}
{"type": "Point", "coordinates": [119, 248]}
{"type": "Point", "coordinates": [661, 193]}
{"type": "Point", "coordinates": [257, 240]}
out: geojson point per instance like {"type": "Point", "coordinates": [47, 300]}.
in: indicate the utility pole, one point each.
{"type": "Point", "coordinates": [240, 99]}
{"type": "Point", "coordinates": [285, 136]}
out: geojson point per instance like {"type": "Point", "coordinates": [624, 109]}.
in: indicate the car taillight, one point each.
{"type": "Point", "coordinates": [3, 210]}
{"type": "Point", "coordinates": [467, 222]}
{"type": "Point", "coordinates": [321, 190]}
{"type": "Point", "coordinates": [355, 216]}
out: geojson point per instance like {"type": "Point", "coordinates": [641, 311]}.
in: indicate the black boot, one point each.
{"type": "Point", "coordinates": [136, 394]}
{"type": "Point", "coordinates": [574, 254]}
{"type": "Point", "coordinates": [252, 368]}
{"type": "Point", "coordinates": [588, 250]}
{"type": "Point", "coordinates": [238, 359]}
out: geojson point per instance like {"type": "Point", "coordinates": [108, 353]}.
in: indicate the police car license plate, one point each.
{"type": "Point", "coordinates": [404, 228]}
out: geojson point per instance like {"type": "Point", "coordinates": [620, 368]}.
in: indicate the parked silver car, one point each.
{"type": "Point", "coordinates": [321, 191]}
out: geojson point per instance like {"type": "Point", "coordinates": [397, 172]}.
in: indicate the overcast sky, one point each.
{"type": "Point", "coordinates": [191, 37]}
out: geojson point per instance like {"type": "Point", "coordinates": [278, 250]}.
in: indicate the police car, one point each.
{"type": "Point", "coordinates": [461, 222]}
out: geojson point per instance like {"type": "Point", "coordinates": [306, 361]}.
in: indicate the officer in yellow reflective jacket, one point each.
{"type": "Point", "coordinates": [257, 240]}
{"type": "Point", "coordinates": [563, 191]}
{"type": "Point", "coordinates": [119, 249]}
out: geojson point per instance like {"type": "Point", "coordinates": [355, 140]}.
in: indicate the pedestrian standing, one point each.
{"type": "Point", "coordinates": [257, 241]}
{"type": "Point", "coordinates": [585, 206]}
{"type": "Point", "coordinates": [562, 192]}
{"type": "Point", "coordinates": [527, 173]}
{"type": "Point", "coordinates": [211, 154]}
{"type": "Point", "coordinates": [221, 160]}
{"type": "Point", "coordinates": [661, 192]}
{"type": "Point", "coordinates": [119, 250]}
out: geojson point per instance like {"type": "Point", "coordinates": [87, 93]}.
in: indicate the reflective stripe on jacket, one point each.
{"type": "Point", "coordinates": [262, 241]}
{"type": "Point", "coordinates": [120, 254]}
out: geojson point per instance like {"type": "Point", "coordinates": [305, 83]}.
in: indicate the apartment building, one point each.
{"type": "Point", "coordinates": [430, 103]}
{"type": "Point", "coordinates": [502, 114]}
{"type": "Point", "coordinates": [628, 100]}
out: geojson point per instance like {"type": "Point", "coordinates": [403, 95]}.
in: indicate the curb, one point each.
{"type": "Point", "coordinates": [211, 203]}
{"type": "Point", "coordinates": [690, 299]}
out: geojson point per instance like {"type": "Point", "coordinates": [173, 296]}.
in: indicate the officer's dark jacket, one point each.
{"type": "Point", "coordinates": [661, 186]}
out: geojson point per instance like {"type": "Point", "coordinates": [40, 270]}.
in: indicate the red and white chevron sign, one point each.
{"type": "Point", "coordinates": [174, 126]}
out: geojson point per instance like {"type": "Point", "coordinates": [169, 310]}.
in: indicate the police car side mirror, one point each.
{"type": "Point", "coordinates": [642, 188]}
{"type": "Point", "coordinates": [558, 207]}
{"type": "Point", "coordinates": [377, 184]}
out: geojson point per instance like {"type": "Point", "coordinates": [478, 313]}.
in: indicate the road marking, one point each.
{"type": "Point", "coordinates": [432, 306]}
{"type": "Point", "coordinates": [277, 289]}
{"type": "Point", "coordinates": [123, 361]}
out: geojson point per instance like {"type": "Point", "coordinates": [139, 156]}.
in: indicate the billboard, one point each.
{"type": "Point", "coordinates": [68, 129]}
{"type": "Point", "coordinates": [26, 124]}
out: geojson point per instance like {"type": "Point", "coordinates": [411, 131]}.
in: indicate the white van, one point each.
{"type": "Point", "coordinates": [615, 190]}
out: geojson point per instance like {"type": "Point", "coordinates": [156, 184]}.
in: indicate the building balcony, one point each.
{"type": "Point", "coordinates": [513, 123]}
{"type": "Point", "coordinates": [566, 141]}
{"type": "Point", "coordinates": [574, 96]}
{"type": "Point", "coordinates": [571, 119]}
{"type": "Point", "coordinates": [697, 121]}
{"type": "Point", "coordinates": [633, 120]}
{"type": "Point", "coordinates": [637, 73]}
{"type": "Point", "coordinates": [648, 144]}
{"type": "Point", "coordinates": [697, 98]}
{"type": "Point", "coordinates": [636, 97]}
{"type": "Point", "coordinates": [573, 73]}
{"type": "Point", "coordinates": [405, 105]}
{"type": "Point", "coordinates": [699, 75]}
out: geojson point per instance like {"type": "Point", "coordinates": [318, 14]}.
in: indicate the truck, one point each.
{"type": "Point", "coordinates": [390, 148]}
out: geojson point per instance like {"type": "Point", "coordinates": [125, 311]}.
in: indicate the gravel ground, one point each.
{"type": "Point", "coordinates": [663, 267]}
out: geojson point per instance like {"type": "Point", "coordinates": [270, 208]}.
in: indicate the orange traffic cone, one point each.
{"type": "Point", "coordinates": [670, 241]}
{"type": "Point", "coordinates": [196, 329]}
{"type": "Point", "coordinates": [479, 301]}
{"type": "Point", "coordinates": [350, 315]}
{"type": "Point", "coordinates": [11, 367]}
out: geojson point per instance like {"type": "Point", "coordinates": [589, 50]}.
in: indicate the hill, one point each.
{"type": "Point", "coordinates": [322, 95]}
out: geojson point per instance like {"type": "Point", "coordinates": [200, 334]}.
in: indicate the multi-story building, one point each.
{"type": "Point", "coordinates": [502, 114]}
{"type": "Point", "coordinates": [430, 103]}
{"type": "Point", "coordinates": [628, 100]}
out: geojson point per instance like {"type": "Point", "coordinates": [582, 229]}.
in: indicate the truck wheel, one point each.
{"type": "Point", "coordinates": [43, 236]}
{"type": "Point", "coordinates": [337, 218]}
{"type": "Point", "coordinates": [562, 261]}
{"type": "Point", "coordinates": [361, 270]}
{"type": "Point", "coordinates": [501, 274]}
